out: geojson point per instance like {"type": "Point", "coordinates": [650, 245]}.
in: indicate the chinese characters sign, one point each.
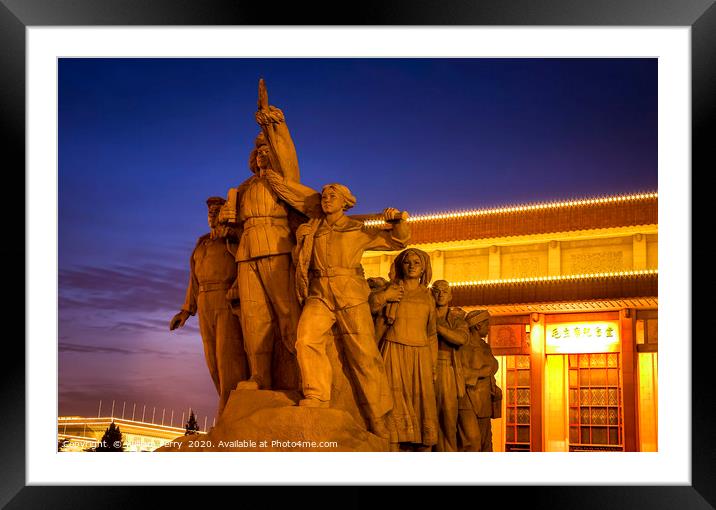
{"type": "Point", "coordinates": [582, 337]}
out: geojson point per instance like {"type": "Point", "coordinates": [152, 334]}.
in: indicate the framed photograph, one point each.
{"type": "Point", "coordinates": [129, 127]}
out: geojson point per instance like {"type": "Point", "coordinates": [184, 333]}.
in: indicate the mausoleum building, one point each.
{"type": "Point", "coordinates": [572, 289]}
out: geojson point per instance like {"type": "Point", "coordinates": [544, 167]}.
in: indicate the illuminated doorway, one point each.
{"type": "Point", "coordinates": [583, 387]}
{"type": "Point", "coordinates": [595, 402]}
{"type": "Point", "coordinates": [517, 399]}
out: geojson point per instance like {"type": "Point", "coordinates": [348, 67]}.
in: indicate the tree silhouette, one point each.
{"type": "Point", "coordinates": [191, 426]}
{"type": "Point", "coordinates": [111, 440]}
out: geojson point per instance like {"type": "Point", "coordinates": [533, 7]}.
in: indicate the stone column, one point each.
{"type": "Point", "coordinates": [639, 252]}
{"type": "Point", "coordinates": [437, 260]}
{"type": "Point", "coordinates": [629, 379]}
{"type": "Point", "coordinates": [494, 271]}
{"type": "Point", "coordinates": [537, 374]}
{"type": "Point", "coordinates": [554, 258]}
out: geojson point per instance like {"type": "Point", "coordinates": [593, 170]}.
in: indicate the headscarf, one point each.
{"type": "Point", "coordinates": [343, 191]}
{"type": "Point", "coordinates": [396, 276]}
{"type": "Point", "coordinates": [396, 269]}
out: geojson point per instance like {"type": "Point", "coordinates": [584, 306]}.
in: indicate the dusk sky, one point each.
{"type": "Point", "coordinates": [144, 142]}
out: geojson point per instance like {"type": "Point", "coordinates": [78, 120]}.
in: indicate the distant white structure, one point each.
{"type": "Point", "coordinates": [83, 433]}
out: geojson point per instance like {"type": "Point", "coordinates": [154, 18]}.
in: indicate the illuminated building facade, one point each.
{"type": "Point", "coordinates": [82, 433]}
{"type": "Point", "coordinates": [572, 289]}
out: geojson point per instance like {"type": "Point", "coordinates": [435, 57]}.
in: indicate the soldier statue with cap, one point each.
{"type": "Point", "coordinates": [481, 391]}
{"type": "Point", "coordinates": [211, 275]}
{"type": "Point", "coordinates": [269, 308]}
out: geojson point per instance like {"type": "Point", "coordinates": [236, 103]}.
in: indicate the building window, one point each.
{"type": "Point", "coordinates": [517, 423]}
{"type": "Point", "coordinates": [595, 408]}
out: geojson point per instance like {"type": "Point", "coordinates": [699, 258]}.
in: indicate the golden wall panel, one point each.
{"type": "Point", "coordinates": [465, 265]}
{"type": "Point", "coordinates": [524, 261]}
{"type": "Point", "coordinates": [597, 256]}
{"type": "Point", "coordinates": [652, 252]}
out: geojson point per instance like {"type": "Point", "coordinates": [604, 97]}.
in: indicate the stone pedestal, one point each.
{"type": "Point", "coordinates": [270, 421]}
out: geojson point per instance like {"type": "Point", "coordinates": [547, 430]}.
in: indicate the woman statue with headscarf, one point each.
{"type": "Point", "coordinates": [408, 336]}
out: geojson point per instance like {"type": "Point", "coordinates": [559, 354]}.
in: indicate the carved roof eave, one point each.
{"type": "Point", "coordinates": [595, 289]}
{"type": "Point", "coordinates": [605, 305]}
{"type": "Point", "coordinates": [570, 216]}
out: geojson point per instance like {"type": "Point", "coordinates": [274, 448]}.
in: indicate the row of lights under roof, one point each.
{"type": "Point", "coordinates": [527, 207]}
{"type": "Point", "coordinates": [538, 279]}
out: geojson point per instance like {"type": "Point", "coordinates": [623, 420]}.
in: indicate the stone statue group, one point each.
{"type": "Point", "coordinates": [279, 279]}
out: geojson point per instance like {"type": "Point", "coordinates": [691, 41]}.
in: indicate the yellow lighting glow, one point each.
{"type": "Point", "coordinates": [525, 207]}
{"type": "Point", "coordinates": [582, 337]}
{"type": "Point", "coordinates": [648, 402]}
{"type": "Point", "coordinates": [556, 278]}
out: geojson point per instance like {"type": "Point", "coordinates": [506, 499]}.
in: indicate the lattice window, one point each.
{"type": "Point", "coordinates": [595, 406]}
{"type": "Point", "coordinates": [517, 420]}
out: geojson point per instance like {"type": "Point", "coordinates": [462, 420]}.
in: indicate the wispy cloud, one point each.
{"type": "Point", "coordinates": [115, 343]}
{"type": "Point", "coordinates": [141, 288]}
{"type": "Point", "coordinates": [99, 349]}
{"type": "Point", "coordinates": [122, 299]}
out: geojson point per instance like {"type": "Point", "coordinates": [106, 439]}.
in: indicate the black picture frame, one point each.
{"type": "Point", "coordinates": [16, 15]}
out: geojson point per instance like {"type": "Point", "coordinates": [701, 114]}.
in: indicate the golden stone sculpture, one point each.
{"type": "Point", "coordinates": [212, 273]}
{"type": "Point", "coordinates": [409, 346]}
{"type": "Point", "coordinates": [482, 399]}
{"type": "Point", "coordinates": [328, 355]}
{"type": "Point", "coordinates": [269, 307]}
{"type": "Point", "coordinates": [332, 288]}
{"type": "Point", "coordinates": [453, 333]}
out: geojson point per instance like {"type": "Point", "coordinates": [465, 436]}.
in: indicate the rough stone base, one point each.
{"type": "Point", "coordinates": [270, 421]}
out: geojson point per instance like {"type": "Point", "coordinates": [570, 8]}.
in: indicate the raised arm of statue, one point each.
{"type": "Point", "coordinates": [273, 123]}
{"type": "Point", "coordinates": [401, 232]}
{"type": "Point", "coordinates": [299, 196]}
{"type": "Point", "coordinates": [394, 239]}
